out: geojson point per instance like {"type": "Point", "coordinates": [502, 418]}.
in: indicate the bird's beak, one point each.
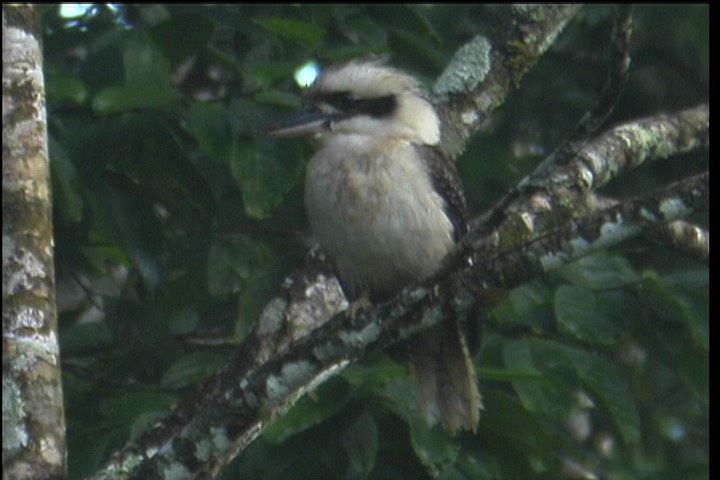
{"type": "Point", "coordinates": [299, 124]}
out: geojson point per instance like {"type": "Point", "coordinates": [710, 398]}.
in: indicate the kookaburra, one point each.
{"type": "Point", "coordinates": [386, 206]}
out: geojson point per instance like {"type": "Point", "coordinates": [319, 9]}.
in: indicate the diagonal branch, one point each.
{"type": "Point", "coordinates": [240, 409]}
{"type": "Point", "coordinates": [237, 411]}
{"type": "Point", "coordinates": [610, 155]}
{"type": "Point", "coordinates": [312, 294]}
{"type": "Point", "coordinates": [595, 117]}
{"type": "Point", "coordinates": [595, 232]}
{"type": "Point", "coordinates": [688, 238]}
{"type": "Point", "coordinates": [279, 361]}
{"type": "Point", "coordinates": [233, 418]}
{"type": "Point", "coordinates": [485, 70]}
{"type": "Point", "coordinates": [631, 144]}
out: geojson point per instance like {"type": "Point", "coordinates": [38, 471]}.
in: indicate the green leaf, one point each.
{"type": "Point", "coordinates": [562, 365]}
{"type": "Point", "coordinates": [553, 398]}
{"type": "Point", "coordinates": [144, 66]}
{"type": "Point", "coordinates": [511, 375]}
{"type": "Point", "coordinates": [128, 405]}
{"type": "Point", "coordinates": [60, 88]}
{"type": "Point", "coordinates": [83, 336]}
{"type": "Point", "coordinates": [421, 49]}
{"type": "Point", "coordinates": [265, 174]}
{"type": "Point", "coordinates": [508, 419]}
{"type": "Point", "coordinates": [602, 271]}
{"type": "Point", "coordinates": [691, 302]}
{"type": "Point", "coordinates": [360, 441]}
{"type": "Point", "coordinates": [128, 213]}
{"type": "Point", "coordinates": [679, 335]}
{"type": "Point", "coordinates": [603, 379]}
{"type": "Point", "coordinates": [137, 407]}
{"type": "Point", "coordinates": [309, 411]}
{"type": "Point", "coordinates": [411, 17]}
{"type": "Point", "coordinates": [534, 397]}
{"type": "Point", "coordinates": [302, 32]}
{"type": "Point", "coordinates": [264, 168]}
{"type": "Point", "coordinates": [85, 456]}
{"type": "Point", "coordinates": [474, 464]}
{"type": "Point", "coordinates": [145, 420]}
{"type": "Point", "coordinates": [192, 368]}
{"type": "Point", "coordinates": [433, 447]}
{"type": "Point", "coordinates": [123, 99]}
{"type": "Point", "coordinates": [578, 316]}
{"type": "Point", "coordinates": [373, 373]}
{"type": "Point", "coordinates": [194, 30]}
{"type": "Point", "coordinates": [99, 257]}
{"type": "Point", "coordinates": [147, 345]}
{"type": "Point", "coordinates": [262, 284]}
{"type": "Point", "coordinates": [526, 305]}
{"type": "Point", "coordinates": [210, 124]}
{"type": "Point", "coordinates": [167, 171]}
{"type": "Point", "coordinates": [66, 184]}
{"type": "Point", "coordinates": [266, 74]}
{"type": "Point", "coordinates": [365, 28]}
{"type": "Point", "coordinates": [621, 310]}
{"type": "Point", "coordinates": [232, 262]}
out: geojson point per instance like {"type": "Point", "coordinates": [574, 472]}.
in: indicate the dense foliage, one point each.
{"type": "Point", "coordinates": [175, 223]}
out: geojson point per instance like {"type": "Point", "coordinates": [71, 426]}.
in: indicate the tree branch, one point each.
{"type": "Point", "coordinates": [618, 74]}
{"type": "Point", "coordinates": [235, 417]}
{"type": "Point", "coordinates": [628, 146]}
{"type": "Point", "coordinates": [598, 231]}
{"type": "Point", "coordinates": [689, 239]}
{"type": "Point", "coordinates": [485, 70]}
{"type": "Point", "coordinates": [292, 348]}
{"type": "Point", "coordinates": [33, 416]}
{"type": "Point", "coordinates": [564, 189]}
{"type": "Point", "coordinates": [274, 378]}
{"type": "Point", "coordinates": [499, 64]}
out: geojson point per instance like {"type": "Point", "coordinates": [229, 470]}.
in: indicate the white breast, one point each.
{"type": "Point", "coordinates": [376, 214]}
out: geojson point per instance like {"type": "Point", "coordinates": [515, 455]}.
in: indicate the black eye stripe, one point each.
{"type": "Point", "coordinates": [345, 104]}
{"type": "Point", "coordinates": [341, 101]}
{"type": "Point", "coordinates": [379, 107]}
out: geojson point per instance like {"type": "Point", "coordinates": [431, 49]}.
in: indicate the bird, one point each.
{"type": "Point", "coordinates": [386, 206]}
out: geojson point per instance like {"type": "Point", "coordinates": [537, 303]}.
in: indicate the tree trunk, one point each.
{"type": "Point", "coordinates": [33, 419]}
